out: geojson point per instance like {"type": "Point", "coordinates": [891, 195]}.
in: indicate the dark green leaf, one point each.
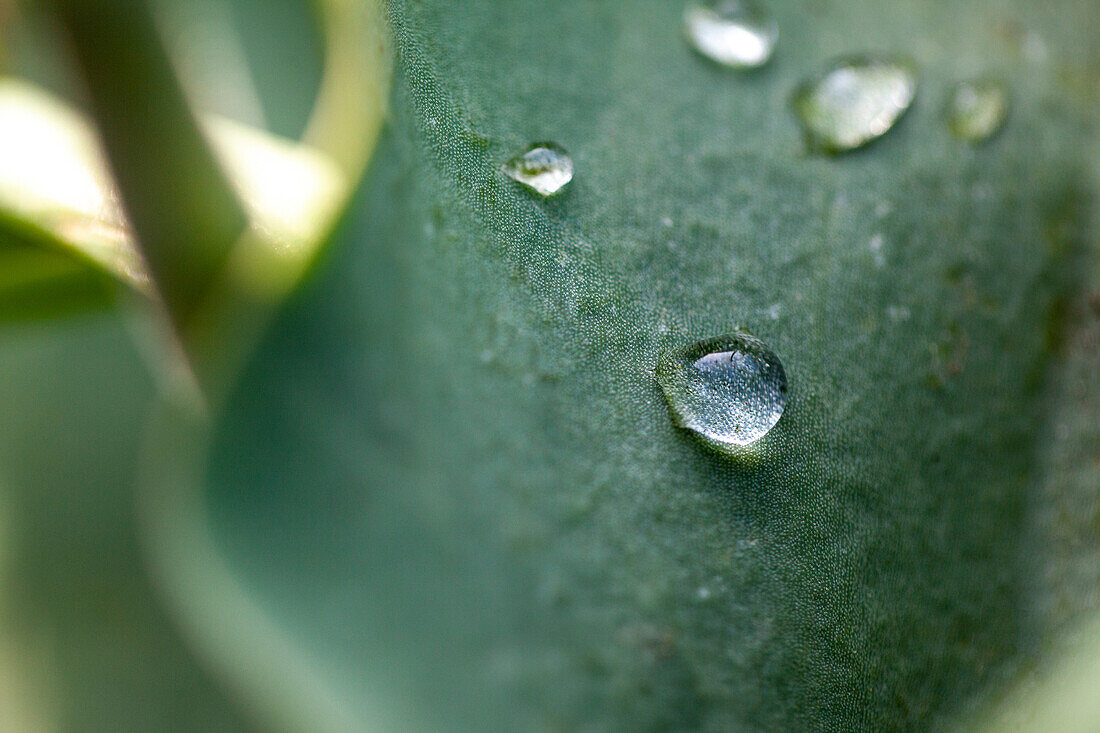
{"type": "Point", "coordinates": [449, 475]}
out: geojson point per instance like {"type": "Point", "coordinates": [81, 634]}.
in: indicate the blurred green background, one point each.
{"type": "Point", "coordinates": [85, 645]}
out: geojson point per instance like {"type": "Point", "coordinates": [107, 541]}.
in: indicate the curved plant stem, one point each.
{"type": "Point", "coordinates": [351, 103]}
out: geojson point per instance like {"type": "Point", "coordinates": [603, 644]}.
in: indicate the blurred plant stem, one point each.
{"type": "Point", "coordinates": [350, 108]}
{"type": "Point", "coordinates": [226, 220]}
{"type": "Point", "coordinates": [183, 210]}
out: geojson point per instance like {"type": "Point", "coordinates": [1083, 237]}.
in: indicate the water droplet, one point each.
{"type": "Point", "coordinates": [856, 100]}
{"type": "Point", "coordinates": [737, 33]}
{"type": "Point", "coordinates": [976, 110]}
{"type": "Point", "coordinates": [730, 389]}
{"type": "Point", "coordinates": [1035, 48]}
{"type": "Point", "coordinates": [876, 249]}
{"type": "Point", "coordinates": [544, 168]}
{"type": "Point", "coordinates": [897, 313]}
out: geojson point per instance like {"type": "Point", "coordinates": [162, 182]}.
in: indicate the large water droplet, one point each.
{"type": "Point", "coordinates": [736, 33]}
{"type": "Point", "coordinates": [856, 100]}
{"type": "Point", "coordinates": [544, 168]}
{"type": "Point", "coordinates": [730, 389]}
{"type": "Point", "coordinates": [976, 110]}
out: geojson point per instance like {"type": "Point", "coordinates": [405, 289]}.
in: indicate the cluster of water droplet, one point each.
{"type": "Point", "coordinates": [732, 389]}
{"type": "Point", "coordinates": [855, 99]}
{"type": "Point", "coordinates": [852, 102]}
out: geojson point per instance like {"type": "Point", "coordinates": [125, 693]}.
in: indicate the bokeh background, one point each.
{"type": "Point", "coordinates": [84, 642]}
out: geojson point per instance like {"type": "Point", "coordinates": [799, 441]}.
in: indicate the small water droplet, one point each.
{"type": "Point", "coordinates": [1035, 48]}
{"type": "Point", "coordinates": [876, 248]}
{"type": "Point", "coordinates": [897, 313]}
{"type": "Point", "coordinates": [544, 168]}
{"type": "Point", "coordinates": [730, 389]}
{"type": "Point", "coordinates": [856, 100]}
{"type": "Point", "coordinates": [976, 110]}
{"type": "Point", "coordinates": [740, 34]}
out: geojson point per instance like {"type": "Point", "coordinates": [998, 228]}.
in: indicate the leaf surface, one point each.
{"type": "Point", "coordinates": [450, 477]}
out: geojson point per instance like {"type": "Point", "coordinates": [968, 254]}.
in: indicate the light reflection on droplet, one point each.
{"type": "Point", "coordinates": [543, 167]}
{"type": "Point", "coordinates": [855, 101]}
{"type": "Point", "coordinates": [730, 389]}
{"type": "Point", "coordinates": [736, 33]}
{"type": "Point", "coordinates": [976, 110]}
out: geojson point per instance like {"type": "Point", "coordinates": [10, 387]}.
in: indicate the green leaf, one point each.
{"type": "Point", "coordinates": [36, 283]}
{"type": "Point", "coordinates": [448, 490]}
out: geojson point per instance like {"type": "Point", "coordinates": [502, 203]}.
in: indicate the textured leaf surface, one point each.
{"type": "Point", "coordinates": [450, 475]}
